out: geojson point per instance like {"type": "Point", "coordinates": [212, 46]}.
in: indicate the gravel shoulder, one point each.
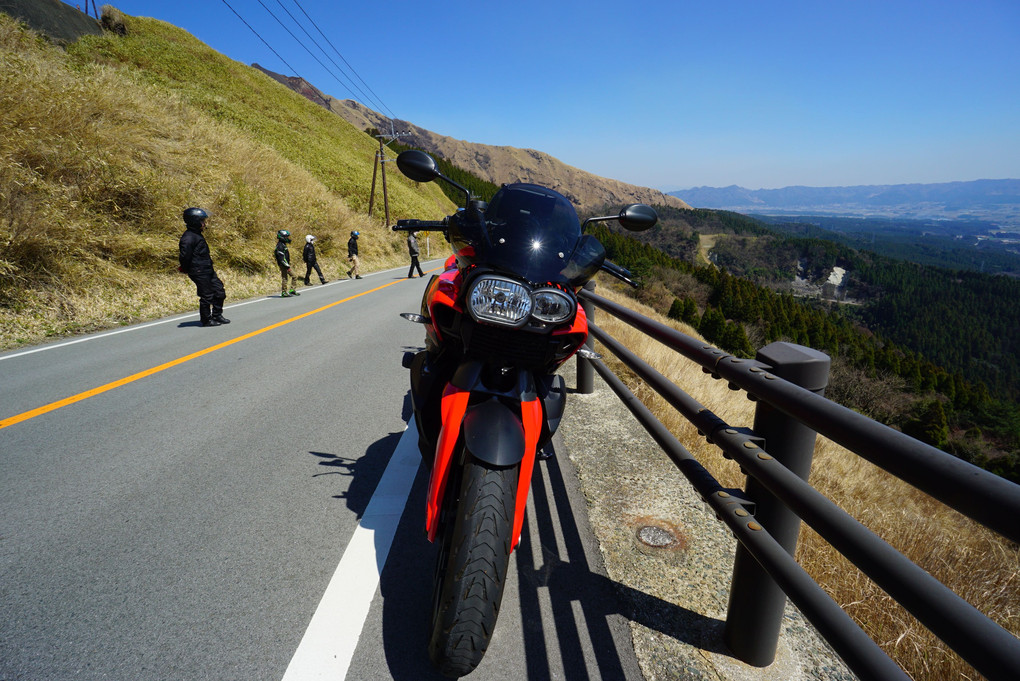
{"type": "Point", "coordinates": [676, 595]}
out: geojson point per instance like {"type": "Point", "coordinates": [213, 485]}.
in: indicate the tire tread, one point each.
{"type": "Point", "coordinates": [479, 557]}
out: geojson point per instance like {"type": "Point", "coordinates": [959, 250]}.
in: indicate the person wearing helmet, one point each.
{"type": "Point", "coordinates": [195, 261]}
{"type": "Point", "coordinates": [352, 255]}
{"type": "Point", "coordinates": [282, 254]}
{"type": "Point", "coordinates": [308, 255]}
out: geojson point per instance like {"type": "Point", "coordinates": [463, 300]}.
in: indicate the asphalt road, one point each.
{"type": "Point", "coordinates": [179, 502]}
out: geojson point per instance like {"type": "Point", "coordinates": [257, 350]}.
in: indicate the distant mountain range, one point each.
{"type": "Point", "coordinates": [986, 200]}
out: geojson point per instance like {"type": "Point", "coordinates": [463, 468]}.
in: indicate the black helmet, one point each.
{"type": "Point", "coordinates": [195, 216]}
{"type": "Point", "coordinates": [283, 235]}
{"type": "Point", "coordinates": [355, 233]}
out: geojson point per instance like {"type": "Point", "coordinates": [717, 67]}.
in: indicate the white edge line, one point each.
{"type": "Point", "coordinates": [138, 327]}
{"type": "Point", "coordinates": [54, 346]}
{"type": "Point", "coordinates": [329, 642]}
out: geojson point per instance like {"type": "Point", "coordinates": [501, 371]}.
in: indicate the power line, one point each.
{"type": "Point", "coordinates": [305, 46]}
{"type": "Point", "coordinates": [261, 38]}
{"type": "Point", "coordinates": [375, 102]}
{"type": "Point", "coordinates": [314, 42]}
{"type": "Point", "coordinates": [377, 98]}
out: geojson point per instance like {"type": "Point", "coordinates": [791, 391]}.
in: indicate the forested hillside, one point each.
{"type": "Point", "coordinates": [965, 321]}
{"type": "Point", "coordinates": [950, 244]}
{"type": "Point", "coordinates": [482, 189]}
{"type": "Point", "coordinates": [882, 378]}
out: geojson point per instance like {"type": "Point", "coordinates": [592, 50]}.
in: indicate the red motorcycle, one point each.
{"type": "Point", "coordinates": [499, 321]}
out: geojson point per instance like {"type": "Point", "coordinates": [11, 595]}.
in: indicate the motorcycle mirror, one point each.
{"type": "Point", "coordinates": [637, 217]}
{"type": "Point", "coordinates": [418, 165]}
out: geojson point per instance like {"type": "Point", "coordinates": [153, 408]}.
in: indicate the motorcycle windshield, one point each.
{"type": "Point", "coordinates": [533, 232]}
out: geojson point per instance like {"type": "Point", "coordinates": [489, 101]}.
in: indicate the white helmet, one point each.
{"type": "Point", "coordinates": [309, 238]}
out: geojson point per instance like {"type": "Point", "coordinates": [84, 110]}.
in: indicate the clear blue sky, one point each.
{"type": "Point", "coordinates": [668, 93]}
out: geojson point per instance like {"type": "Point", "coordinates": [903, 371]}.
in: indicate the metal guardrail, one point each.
{"type": "Point", "coordinates": [787, 382]}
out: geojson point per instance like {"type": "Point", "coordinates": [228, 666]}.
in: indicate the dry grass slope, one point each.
{"type": "Point", "coordinates": [103, 146]}
{"type": "Point", "coordinates": [974, 562]}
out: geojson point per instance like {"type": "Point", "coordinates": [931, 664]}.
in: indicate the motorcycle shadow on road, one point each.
{"type": "Point", "coordinates": [574, 578]}
{"type": "Point", "coordinates": [406, 579]}
{"type": "Point", "coordinates": [365, 471]}
{"type": "Point", "coordinates": [406, 587]}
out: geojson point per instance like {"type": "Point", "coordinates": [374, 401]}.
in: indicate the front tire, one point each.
{"type": "Point", "coordinates": [472, 565]}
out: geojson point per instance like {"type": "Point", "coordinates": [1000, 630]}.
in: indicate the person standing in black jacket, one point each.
{"type": "Point", "coordinates": [308, 255]}
{"type": "Point", "coordinates": [412, 250]}
{"type": "Point", "coordinates": [196, 262]}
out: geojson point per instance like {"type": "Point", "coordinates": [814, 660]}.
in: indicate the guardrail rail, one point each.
{"type": "Point", "coordinates": [787, 382]}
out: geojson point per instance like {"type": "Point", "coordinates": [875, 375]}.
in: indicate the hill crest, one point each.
{"type": "Point", "coordinates": [496, 164]}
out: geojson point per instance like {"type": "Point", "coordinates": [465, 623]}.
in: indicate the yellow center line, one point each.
{"type": "Point", "coordinates": [53, 406]}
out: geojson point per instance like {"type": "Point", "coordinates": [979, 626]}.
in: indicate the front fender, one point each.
{"type": "Point", "coordinates": [494, 433]}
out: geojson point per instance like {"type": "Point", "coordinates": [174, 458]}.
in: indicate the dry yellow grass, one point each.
{"type": "Point", "coordinates": [974, 562]}
{"type": "Point", "coordinates": [96, 166]}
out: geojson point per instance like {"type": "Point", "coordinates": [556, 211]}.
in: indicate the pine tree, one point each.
{"type": "Point", "coordinates": [676, 310]}
{"type": "Point", "coordinates": [712, 325]}
{"type": "Point", "coordinates": [690, 312]}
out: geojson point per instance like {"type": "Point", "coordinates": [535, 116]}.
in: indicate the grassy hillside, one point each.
{"type": "Point", "coordinates": [103, 145]}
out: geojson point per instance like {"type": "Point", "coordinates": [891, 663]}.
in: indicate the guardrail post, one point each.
{"type": "Point", "coordinates": [585, 369]}
{"type": "Point", "coordinates": [756, 605]}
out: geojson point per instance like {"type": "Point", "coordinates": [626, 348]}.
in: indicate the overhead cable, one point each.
{"type": "Point", "coordinates": [325, 54]}
{"type": "Point", "coordinates": [377, 98]}
{"type": "Point", "coordinates": [261, 38]}
{"type": "Point", "coordinates": [306, 47]}
{"type": "Point", "coordinates": [374, 99]}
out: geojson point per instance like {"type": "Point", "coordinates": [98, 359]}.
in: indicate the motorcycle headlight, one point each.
{"type": "Point", "coordinates": [552, 305]}
{"type": "Point", "coordinates": [499, 301]}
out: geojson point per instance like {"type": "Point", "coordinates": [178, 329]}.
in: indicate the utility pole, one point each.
{"type": "Point", "coordinates": [375, 171]}
{"type": "Point", "coordinates": [385, 195]}
{"type": "Point", "coordinates": [381, 161]}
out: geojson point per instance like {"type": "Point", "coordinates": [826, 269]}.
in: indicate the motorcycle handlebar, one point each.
{"type": "Point", "coordinates": [621, 273]}
{"type": "Point", "coordinates": [419, 225]}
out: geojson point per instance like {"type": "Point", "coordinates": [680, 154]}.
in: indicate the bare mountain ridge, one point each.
{"type": "Point", "coordinates": [497, 164]}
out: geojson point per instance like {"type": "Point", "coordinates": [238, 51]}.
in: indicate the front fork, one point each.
{"type": "Point", "coordinates": [502, 427]}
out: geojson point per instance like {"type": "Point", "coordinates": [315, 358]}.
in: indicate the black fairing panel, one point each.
{"type": "Point", "coordinates": [427, 381]}
{"type": "Point", "coordinates": [552, 390]}
{"type": "Point", "coordinates": [494, 434]}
